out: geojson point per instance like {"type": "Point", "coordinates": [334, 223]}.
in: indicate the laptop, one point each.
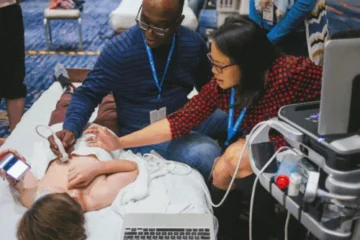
{"type": "Point", "coordinates": [168, 226]}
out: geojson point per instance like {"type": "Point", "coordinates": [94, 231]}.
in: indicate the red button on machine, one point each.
{"type": "Point", "coordinates": [282, 181]}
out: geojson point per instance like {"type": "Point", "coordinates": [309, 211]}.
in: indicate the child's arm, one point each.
{"type": "Point", "coordinates": [81, 175]}
{"type": "Point", "coordinates": [27, 195]}
{"type": "Point", "coordinates": [114, 183]}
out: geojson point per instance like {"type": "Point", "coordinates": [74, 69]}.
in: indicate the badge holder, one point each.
{"type": "Point", "coordinates": [269, 13]}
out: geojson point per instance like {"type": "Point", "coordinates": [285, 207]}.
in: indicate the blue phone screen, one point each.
{"type": "Point", "coordinates": [11, 162]}
{"type": "Point", "coordinates": [13, 166]}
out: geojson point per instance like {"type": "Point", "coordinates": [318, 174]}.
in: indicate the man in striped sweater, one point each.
{"type": "Point", "coordinates": [150, 69]}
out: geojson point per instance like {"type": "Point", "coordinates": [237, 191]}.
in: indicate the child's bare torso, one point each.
{"type": "Point", "coordinates": [56, 177]}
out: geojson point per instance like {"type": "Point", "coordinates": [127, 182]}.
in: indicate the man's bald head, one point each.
{"type": "Point", "coordinates": [161, 14]}
{"type": "Point", "coordinates": [165, 8]}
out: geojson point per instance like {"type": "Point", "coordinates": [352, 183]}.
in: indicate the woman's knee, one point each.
{"type": "Point", "coordinates": [220, 175]}
{"type": "Point", "coordinates": [197, 150]}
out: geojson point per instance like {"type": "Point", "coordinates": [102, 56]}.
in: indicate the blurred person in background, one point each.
{"type": "Point", "coordinates": [12, 60]}
{"type": "Point", "coordinates": [284, 22]}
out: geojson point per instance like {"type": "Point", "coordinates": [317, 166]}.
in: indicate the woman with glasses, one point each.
{"type": "Point", "coordinates": [251, 82]}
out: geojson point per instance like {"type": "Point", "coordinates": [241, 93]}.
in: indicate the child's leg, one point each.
{"type": "Point", "coordinates": [58, 115]}
{"type": "Point", "coordinates": [61, 76]}
{"type": "Point", "coordinates": [107, 114]}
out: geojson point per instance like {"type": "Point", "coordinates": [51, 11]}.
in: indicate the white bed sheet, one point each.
{"type": "Point", "coordinates": [123, 17]}
{"type": "Point", "coordinates": [103, 224]}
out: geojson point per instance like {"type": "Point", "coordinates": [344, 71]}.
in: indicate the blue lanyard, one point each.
{"type": "Point", "coordinates": [232, 129]}
{"type": "Point", "coordinates": [152, 64]}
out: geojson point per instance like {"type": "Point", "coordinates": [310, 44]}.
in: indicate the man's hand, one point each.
{"type": "Point", "coordinates": [82, 174]}
{"type": "Point", "coordinates": [67, 139]}
{"type": "Point", "coordinates": [232, 155]}
{"type": "Point", "coordinates": [102, 138]}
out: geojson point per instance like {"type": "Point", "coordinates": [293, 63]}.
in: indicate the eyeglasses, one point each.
{"type": "Point", "coordinates": [218, 68]}
{"type": "Point", "coordinates": [146, 27]}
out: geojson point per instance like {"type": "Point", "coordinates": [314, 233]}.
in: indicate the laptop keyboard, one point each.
{"type": "Point", "coordinates": [167, 233]}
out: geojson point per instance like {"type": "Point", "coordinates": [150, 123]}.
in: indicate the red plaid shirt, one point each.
{"type": "Point", "coordinates": [290, 80]}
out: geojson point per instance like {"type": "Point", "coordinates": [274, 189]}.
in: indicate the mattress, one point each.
{"type": "Point", "coordinates": [106, 223]}
{"type": "Point", "coordinates": [123, 17]}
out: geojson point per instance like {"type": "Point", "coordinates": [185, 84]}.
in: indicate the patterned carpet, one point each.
{"type": "Point", "coordinates": [343, 14]}
{"type": "Point", "coordinates": [95, 18]}
{"type": "Point", "coordinates": [39, 67]}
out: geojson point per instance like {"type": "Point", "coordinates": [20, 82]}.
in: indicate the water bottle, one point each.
{"type": "Point", "coordinates": [286, 168]}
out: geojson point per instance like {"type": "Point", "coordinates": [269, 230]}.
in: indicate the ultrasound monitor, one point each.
{"type": "Point", "coordinates": [340, 92]}
{"type": "Point", "coordinates": [332, 125]}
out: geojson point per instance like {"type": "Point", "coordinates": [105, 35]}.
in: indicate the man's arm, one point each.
{"type": "Point", "coordinates": [297, 14]}
{"type": "Point", "coordinates": [97, 85]}
{"type": "Point", "coordinates": [101, 80]}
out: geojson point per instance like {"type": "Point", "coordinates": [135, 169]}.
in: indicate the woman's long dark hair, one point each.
{"type": "Point", "coordinates": [247, 46]}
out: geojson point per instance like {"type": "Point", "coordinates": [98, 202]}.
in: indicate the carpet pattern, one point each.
{"type": "Point", "coordinates": [343, 14]}
{"type": "Point", "coordinates": [40, 65]}
{"type": "Point", "coordinates": [95, 26]}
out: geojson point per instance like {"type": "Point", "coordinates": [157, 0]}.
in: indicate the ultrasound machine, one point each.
{"type": "Point", "coordinates": [324, 138]}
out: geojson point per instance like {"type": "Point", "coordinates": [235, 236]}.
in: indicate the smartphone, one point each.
{"type": "Point", "coordinates": [13, 166]}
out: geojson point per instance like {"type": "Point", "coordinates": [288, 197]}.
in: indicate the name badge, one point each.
{"type": "Point", "coordinates": [156, 115]}
{"type": "Point", "coordinates": [268, 13]}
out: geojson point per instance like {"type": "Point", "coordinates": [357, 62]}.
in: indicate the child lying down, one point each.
{"type": "Point", "coordinates": [54, 211]}
{"type": "Point", "coordinates": [55, 208]}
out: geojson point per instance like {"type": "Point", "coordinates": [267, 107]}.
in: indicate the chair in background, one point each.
{"type": "Point", "coordinates": [60, 14]}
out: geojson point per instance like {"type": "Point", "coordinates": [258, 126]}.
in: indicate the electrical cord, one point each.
{"type": "Point", "coordinates": [324, 194]}
{"type": "Point", "coordinates": [213, 167]}
{"type": "Point", "coordinates": [65, 156]}
{"type": "Point", "coordinates": [286, 230]}
{"type": "Point", "coordinates": [320, 193]}
{"type": "Point", "coordinates": [44, 136]}
{"type": "Point", "coordinates": [261, 124]}
{"type": "Point", "coordinates": [254, 187]}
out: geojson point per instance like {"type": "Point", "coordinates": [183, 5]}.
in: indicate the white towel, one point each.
{"type": "Point", "coordinates": [136, 190]}
{"type": "Point", "coordinates": [162, 187]}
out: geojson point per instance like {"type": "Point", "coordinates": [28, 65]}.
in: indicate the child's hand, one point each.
{"type": "Point", "coordinates": [82, 174]}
